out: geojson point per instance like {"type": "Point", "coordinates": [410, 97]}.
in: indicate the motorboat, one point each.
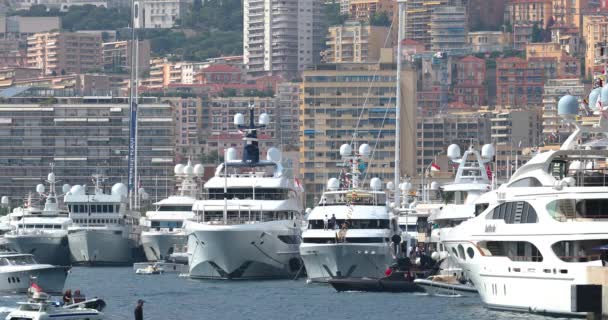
{"type": "Point", "coordinates": [533, 238]}
{"type": "Point", "coordinates": [248, 226]}
{"type": "Point", "coordinates": [150, 269]}
{"type": "Point", "coordinates": [164, 234]}
{"type": "Point", "coordinates": [41, 307]}
{"type": "Point", "coordinates": [103, 230]}
{"type": "Point", "coordinates": [446, 285]}
{"type": "Point", "coordinates": [358, 243]}
{"type": "Point", "coordinates": [18, 270]}
{"type": "Point", "coordinates": [43, 233]}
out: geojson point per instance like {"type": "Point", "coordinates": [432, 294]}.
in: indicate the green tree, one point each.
{"type": "Point", "coordinates": [331, 12]}
{"type": "Point", "coordinates": [380, 19]}
{"type": "Point", "coordinates": [537, 33]}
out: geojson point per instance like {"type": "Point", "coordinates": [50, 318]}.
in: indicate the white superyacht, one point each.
{"type": "Point", "coordinates": [358, 244]}
{"type": "Point", "coordinates": [248, 226]}
{"type": "Point", "coordinates": [537, 234]}
{"type": "Point", "coordinates": [104, 231]}
{"type": "Point", "coordinates": [19, 270]}
{"type": "Point", "coordinates": [43, 233]}
{"type": "Point", "coordinates": [164, 234]}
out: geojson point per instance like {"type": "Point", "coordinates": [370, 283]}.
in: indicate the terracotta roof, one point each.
{"type": "Point", "coordinates": [471, 59]}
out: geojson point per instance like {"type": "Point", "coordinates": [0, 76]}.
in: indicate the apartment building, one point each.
{"type": "Point", "coordinates": [356, 42]}
{"type": "Point", "coordinates": [19, 27]}
{"type": "Point", "coordinates": [553, 129]}
{"type": "Point", "coordinates": [190, 131]}
{"type": "Point", "coordinates": [159, 14]}
{"type": "Point", "coordinates": [64, 52]}
{"type": "Point", "coordinates": [449, 29]}
{"type": "Point", "coordinates": [554, 59]}
{"type": "Point", "coordinates": [470, 80]}
{"type": "Point", "coordinates": [595, 33]}
{"type": "Point", "coordinates": [354, 103]}
{"type": "Point", "coordinates": [488, 41]}
{"type": "Point", "coordinates": [81, 137]}
{"type": "Point", "coordinates": [362, 10]}
{"type": "Point", "coordinates": [418, 19]}
{"type": "Point", "coordinates": [118, 56]}
{"type": "Point", "coordinates": [518, 83]}
{"type": "Point", "coordinates": [282, 37]}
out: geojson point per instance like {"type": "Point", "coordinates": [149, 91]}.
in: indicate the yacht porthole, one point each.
{"type": "Point", "coordinates": [470, 252]}
{"type": "Point", "coordinates": [454, 252]}
{"type": "Point", "coordinates": [461, 252]}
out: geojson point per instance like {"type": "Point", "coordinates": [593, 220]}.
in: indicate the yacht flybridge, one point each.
{"type": "Point", "coordinates": [43, 233]}
{"type": "Point", "coordinates": [165, 234]}
{"type": "Point", "coordinates": [534, 237]}
{"type": "Point", "coordinates": [248, 226]}
{"type": "Point", "coordinates": [357, 244]}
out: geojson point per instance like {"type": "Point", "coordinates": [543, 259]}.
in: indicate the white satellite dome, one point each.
{"type": "Point", "coordinates": [239, 119]}
{"type": "Point", "coordinates": [375, 184]}
{"type": "Point", "coordinates": [264, 119]}
{"type": "Point", "coordinates": [4, 200]}
{"type": "Point", "coordinates": [273, 154]}
{"type": "Point", "coordinates": [199, 169]}
{"type": "Point", "coordinates": [231, 154]}
{"type": "Point", "coordinates": [51, 177]}
{"type": "Point", "coordinates": [65, 188]}
{"type": "Point", "coordinates": [567, 106]}
{"type": "Point", "coordinates": [77, 190]}
{"type": "Point", "coordinates": [119, 189]}
{"type": "Point", "coordinates": [604, 95]}
{"type": "Point", "coordinates": [453, 151]}
{"type": "Point", "coordinates": [346, 150]}
{"type": "Point", "coordinates": [405, 186]}
{"type": "Point", "coordinates": [594, 95]}
{"type": "Point", "coordinates": [434, 186]}
{"type": "Point", "coordinates": [179, 169]}
{"type": "Point", "coordinates": [333, 184]}
{"type": "Point", "coordinates": [40, 188]}
{"type": "Point", "coordinates": [488, 151]}
{"type": "Point", "coordinates": [390, 185]}
{"type": "Point", "coordinates": [189, 170]}
{"type": "Point", "coordinates": [365, 150]}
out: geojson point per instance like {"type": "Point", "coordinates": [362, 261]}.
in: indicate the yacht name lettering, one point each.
{"type": "Point", "coordinates": [490, 228]}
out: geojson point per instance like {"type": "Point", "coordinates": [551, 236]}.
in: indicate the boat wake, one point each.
{"type": "Point", "coordinates": [447, 295]}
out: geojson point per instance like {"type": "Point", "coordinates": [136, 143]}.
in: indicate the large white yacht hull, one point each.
{"type": "Point", "coordinates": [47, 248]}
{"type": "Point", "coordinates": [100, 247]}
{"type": "Point", "coordinates": [326, 261]}
{"type": "Point", "coordinates": [50, 278]}
{"type": "Point", "coordinates": [159, 245]}
{"type": "Point", "coordinates": [247, 251]}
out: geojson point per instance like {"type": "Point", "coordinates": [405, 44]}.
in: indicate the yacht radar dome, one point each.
{"type": "Point", "coordinates": [567, 107]}
{"type": "Point", "coordinates": [264, 119]}
{"type": "Point", "coordinates": [239, 119]}
{"type": "Point", "coordinates": [199, 169]}
{"type": "Point", "coordinates": [119, 189]}
{"type": "Point", "coordinates": [375, 184]}
{"type": "Point", "coordinates": [4, 200]}
{"type": "Point", "coordinates": [333, 184]}
{"type": "Point", "coordinates": [273, 154]}
{"type": "Point", "coordinates": [66, 188]}
{"type": "Point", "coordinates": [488, 151]}
{"type": "Point", "coordinates": [346, 150]}
{"type": "Point", "coordinates": [390, 185]}
{"type": "Point", "coordinates": [77, 190]}
{"type": "Point", "coordinates": [179, 169]}
{"type": "Point", "coordinates": [51, 177]}
{"type": "Point", "coordinates": [594, 95]}
{"type": "Point", "coordinates": [365, 150]}
{"type": "Point", "coordinates": [434, 186]}
{"type": "Point", "coordinates": [40, 188]}
{"type": "Point", "coordinates": [405, 186]}
{"type": "Point", "coordinates": [453, 151]}
{"type": "Point", "coordinates": [189, 170]}
{"type": "Point", "coordinates": [231, 154]}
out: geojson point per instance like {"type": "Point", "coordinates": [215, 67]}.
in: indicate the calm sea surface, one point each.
{"type": "Point", "coordinates": [170, 297]}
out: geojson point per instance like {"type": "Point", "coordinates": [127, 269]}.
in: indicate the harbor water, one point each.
{"type": "Point", "coordinates": [168, 296]}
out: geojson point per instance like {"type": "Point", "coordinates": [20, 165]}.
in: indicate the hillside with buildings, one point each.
{"type": "Point", "coordinates": [481, 71]}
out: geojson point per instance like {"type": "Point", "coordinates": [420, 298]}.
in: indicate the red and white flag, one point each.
{"type": "Point", "coordinates": [435, 167]}
{"type": "Point", "coordinates": [489, 172]}
{"type": "Point", "coordinates": [298, 185]}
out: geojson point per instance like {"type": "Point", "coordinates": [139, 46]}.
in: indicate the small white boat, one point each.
{"type": "Point", "coordinates": [152, 269]}
{"type": "Point", "coordinates": [40, 307]}
{"type": "Point", "coordinates": [445, 284]}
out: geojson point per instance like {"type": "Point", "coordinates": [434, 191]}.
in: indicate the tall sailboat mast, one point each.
{"type": "Point", "coordinates": [397, 177]}
{"type": "Point", "coordinates": [132, 159]}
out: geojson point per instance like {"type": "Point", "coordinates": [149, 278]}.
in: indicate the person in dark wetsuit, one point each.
{"type": "Point", "coordinates": [139, 310]}
{"type": "Point", "coordinates": [396, 240]}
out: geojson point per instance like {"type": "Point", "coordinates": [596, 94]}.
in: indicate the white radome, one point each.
{"type": "Point", "coordinates": [453, 151]}
{"type": "Point", "coordinates": [273, 154]}
{"type": "Point", "coordinates": [189, 170]}
{"type": "Point", "coordinates": [346, 150]}
{"type": "Point", "coordinates": [4, 200]}
{"type": "Point", "coordinates": [365, 150]}
{"type": "Point", "coordinates": [199, 169]}
{"type": "Point", "coordinates": [375, 184]}
{"type": "Point", "coordinates": [66, 188]}
{"type": "Point", "coordinates": [51, 177]}
{"type": "Point", "coordinates": [179, 169]}
{"type": "Point", "coordinates": [77, 190]}
{"type": "Point", "coordinates": [333, 184]}
{"type": "Point", "coordinates": [487, 151]}
{"type": "Point", "coordinates": [239, 119]}
{"type": "Point", "coordinates": [119, 189]}
{"type": "Point", "coordinates": [40, 188]}
{"type": "Point", "coordinates": [231, 154]}
{"type": "Point", "coordinates": [264, 119]}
